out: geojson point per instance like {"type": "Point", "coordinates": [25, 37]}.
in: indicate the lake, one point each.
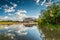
{"type": "Point", "coordinates": [22, 32]}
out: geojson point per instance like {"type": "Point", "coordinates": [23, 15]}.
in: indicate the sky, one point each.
{"type": "Point", "coordinates": [19, 9]}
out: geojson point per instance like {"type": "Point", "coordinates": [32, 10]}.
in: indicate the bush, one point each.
{"type": "Point", "coordinates": [50, 16]}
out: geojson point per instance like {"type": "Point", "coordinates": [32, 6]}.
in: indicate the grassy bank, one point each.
{"type": "Point", "coordinates": [6, 22]}
{"type": "Point", "coordinates": [49, 22]}
{"type": "Point", "coordinates": [51, 32]}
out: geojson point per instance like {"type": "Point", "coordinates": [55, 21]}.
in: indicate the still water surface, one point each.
{"type": "Point", "coordinates": [21, 32]}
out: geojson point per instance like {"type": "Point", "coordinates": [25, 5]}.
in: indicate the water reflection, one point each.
{"type": "Point", "coordinates": [21, 32]}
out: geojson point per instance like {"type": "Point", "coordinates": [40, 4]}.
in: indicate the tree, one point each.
{"type": "Point", "coordinates": [51, 15]}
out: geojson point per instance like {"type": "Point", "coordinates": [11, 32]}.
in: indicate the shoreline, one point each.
{"type": "Point", "coordinates": [51, 34]}
{"type": "Point", "coordinates": [11, 22]}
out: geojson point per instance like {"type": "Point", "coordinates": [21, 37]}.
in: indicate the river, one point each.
{"type": "Point", "coordinates": [22, 32]}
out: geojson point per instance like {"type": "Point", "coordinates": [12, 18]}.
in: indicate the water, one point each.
{"type": "Point", "coordinates": [21, 32]}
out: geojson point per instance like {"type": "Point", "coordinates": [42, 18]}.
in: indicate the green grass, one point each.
{"type": "Point", "coordinates": [5, 22]}
{"type": "Point", "coordinates": [51, 31]}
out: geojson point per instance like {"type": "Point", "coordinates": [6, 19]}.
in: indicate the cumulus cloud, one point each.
{"type": "Point", "coordinates": [21, 11]}
{"type": "Point", "coordinates": [14, 5]}
{"type": "Point", "coordinates": [3, 18]}
{"type": "Point", "coordinates": [6, 18]}
{"type": "Point", "coordinates": [5, 6]}
{"type": "Point", "coordinates": [20, 14]}
{"type": "Point", "coordinates": [10, 9]}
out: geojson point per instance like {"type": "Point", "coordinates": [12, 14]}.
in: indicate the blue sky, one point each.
{"type": "Point", "coordinates": [30, 7]}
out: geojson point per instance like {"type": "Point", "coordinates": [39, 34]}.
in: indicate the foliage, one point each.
{"type": "Point", "coordinates": [4, 37]}
{"type": "Point", "coordinates": [50, 16]}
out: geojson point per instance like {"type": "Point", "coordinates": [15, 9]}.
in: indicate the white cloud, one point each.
{"type": "Point", "coordinates": [37, 1]}
{"type": "Point", "coordinates": [21, 11]}
{"type": "Point", "coordinates": [14, 5]}
{"type": "Point", "coordinates": [4, 7]}
{"type": "Point", "coordinates": [20, 14]}
{"type": "Point", "coordinates": [10, 14]}
{"type": "Point", "coordinates": [48, 4]}
{"type": "Point", "coordinates": [43, 2]}
{"type": "Point", "coordinates": [3, 17]}
{"type": "Point", "coordinates": [10, 9]}
{"type": "Point", "coordinates": [34, 16]}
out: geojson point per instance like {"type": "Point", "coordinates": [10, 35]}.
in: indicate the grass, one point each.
{"type": "Point", "coordinates": [5, 22]}
{"type": "Point", "coordinates": [51, 32]}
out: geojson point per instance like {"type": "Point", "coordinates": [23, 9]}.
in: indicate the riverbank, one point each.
{"type": "Point", "coordinates": [14, 22]}
{"type": "Point", "coordinates": [6, 22]}
{"type": "Point", "coordinates": [51, 33]}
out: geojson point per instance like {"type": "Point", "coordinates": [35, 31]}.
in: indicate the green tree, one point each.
{"type": "Point", "coordinates": [51, 15]}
